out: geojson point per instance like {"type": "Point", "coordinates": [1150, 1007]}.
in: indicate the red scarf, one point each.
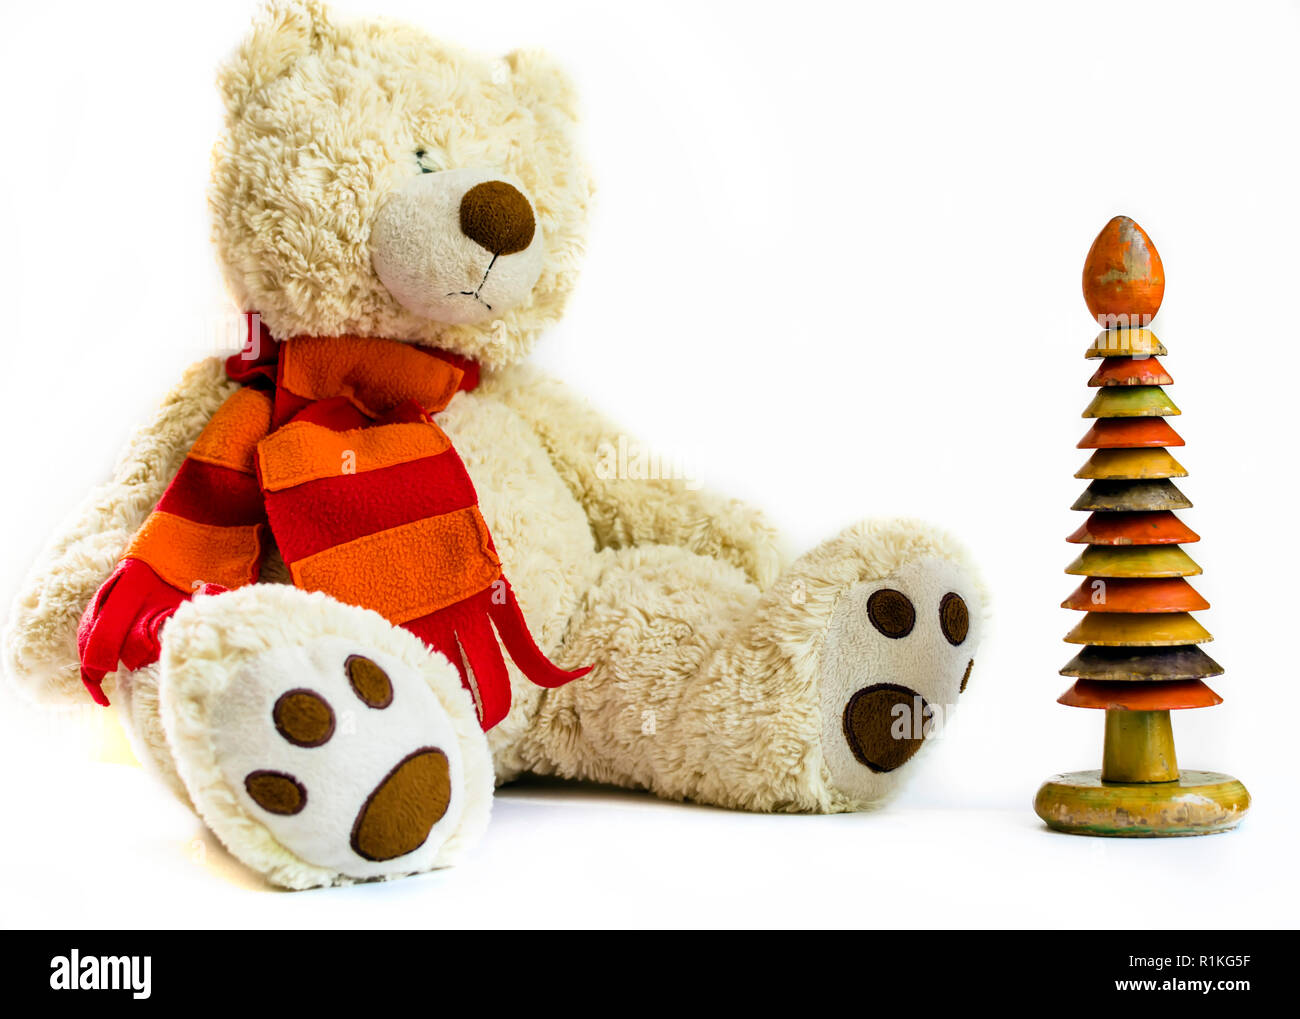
{"type": "Point", "coordinates": [331, 442]}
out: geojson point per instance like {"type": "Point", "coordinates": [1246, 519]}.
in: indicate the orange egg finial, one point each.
{"type": "Point", "coordinates": [1123, 277]}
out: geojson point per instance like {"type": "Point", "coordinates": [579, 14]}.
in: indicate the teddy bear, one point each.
{"type": "Point", "coordinates": [351, 578]}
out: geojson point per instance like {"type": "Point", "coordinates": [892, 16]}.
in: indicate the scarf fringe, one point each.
{"type": "Point", "coordinates": [467, 635]}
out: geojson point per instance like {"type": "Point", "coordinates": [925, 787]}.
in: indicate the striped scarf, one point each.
{"type": "Point", "coordinates": [331, 443]}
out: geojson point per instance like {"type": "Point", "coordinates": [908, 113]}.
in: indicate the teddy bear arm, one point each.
{"type": "Point", "coordinates": [40, 640]}
{"type": "Point", "coordinates": [627, 511]}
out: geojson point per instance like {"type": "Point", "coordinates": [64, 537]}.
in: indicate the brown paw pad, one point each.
{"type": "Point", "coordinates": [892, 613]}
{"type": "Point", "coordinates": [885, 725]}
{"type": "Point", "coordinates": [304, 718]}
{"type": "Point", "coordinates": [954, 618]}
{"type": "Point", "coordinates": [276, 792]}
{"type": "Point", "coordinates": [398, 816]}
{"type": "Point", "coordinates": [369, 682]}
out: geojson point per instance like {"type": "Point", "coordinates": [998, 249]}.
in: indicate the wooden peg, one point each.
{"type": "Point", "coordinates": [1139, 747]}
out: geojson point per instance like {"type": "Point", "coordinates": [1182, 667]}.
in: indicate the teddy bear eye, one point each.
{"type": "Point", "coordinates": [425, 162]}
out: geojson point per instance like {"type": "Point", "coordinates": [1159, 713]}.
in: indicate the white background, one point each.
{"type": "Point", "coordinates": [835, 266]}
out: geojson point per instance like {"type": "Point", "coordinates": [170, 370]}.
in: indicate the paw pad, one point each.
{"type": "Point", "coordinates": [398, 815]}
{"type": "Point", "coordinates": [891, 612]}
{"type": "Point", "coordinates": [276, 792]}
{"type": "Point", "coordinates": [369, 682]}
{"type": "Point", "coordinates": [304, 718]}
{"type": "Point", "coordinates": [402, 808]}
{"type": "Point", "coordinates": [954, 619]}
{"type": "Point", "coordinates": [885, 725]}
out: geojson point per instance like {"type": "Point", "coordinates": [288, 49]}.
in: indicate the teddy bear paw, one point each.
{"type": "Point", "coordinates": [329, 759]}
{"type": "Point", "coordinates": [348, 769]}
{"type": "Point", "coordinates": [898, 654]}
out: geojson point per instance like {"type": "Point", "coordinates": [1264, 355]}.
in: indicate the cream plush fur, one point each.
{"type": "Point", "coordinates": [720, 674]}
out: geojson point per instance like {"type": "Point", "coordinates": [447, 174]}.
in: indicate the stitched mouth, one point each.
{"type": "Point", "coordinates": [475, 292]}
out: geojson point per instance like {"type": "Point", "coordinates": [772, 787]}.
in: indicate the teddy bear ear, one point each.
{"type": "Point", "coordinates": [541, 84]}
{"type": "Point", "coordinates": [282, 33]}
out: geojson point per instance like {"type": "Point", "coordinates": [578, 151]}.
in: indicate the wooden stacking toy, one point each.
{"type": "Point", "coordinates": [1140, 654]}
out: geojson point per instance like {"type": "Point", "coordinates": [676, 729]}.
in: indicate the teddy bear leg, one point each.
{"type": "Point", "coordinates": [320, 743]}
{"type": "Point", "coordinates": [814, 695]}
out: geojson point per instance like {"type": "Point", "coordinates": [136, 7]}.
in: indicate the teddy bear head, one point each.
{"type": "Point", "coordinates": [372, 181]}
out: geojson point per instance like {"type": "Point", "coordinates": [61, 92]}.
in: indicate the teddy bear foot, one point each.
{"type": "Point", "coordinates": [321, 745]}
{"type": "Point", "coordinates": [898, 652]}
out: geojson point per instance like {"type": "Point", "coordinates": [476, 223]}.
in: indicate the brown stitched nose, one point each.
{"type": "Point", "coordinates": [498, 217]}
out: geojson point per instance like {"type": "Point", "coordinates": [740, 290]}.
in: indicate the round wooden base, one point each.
{"type": "Point", "coordinates": [1197, 803]}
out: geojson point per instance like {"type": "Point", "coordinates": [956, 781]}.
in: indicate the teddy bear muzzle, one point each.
{"type": "Point", "coordinates": [458, 246]}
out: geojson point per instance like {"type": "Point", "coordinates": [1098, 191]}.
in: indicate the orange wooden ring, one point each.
{"type": "Point", "coordinates": [1159, 527]}
{"type": "Point", "coordinates": [1170, 695]}
{"type": "Point", "coordinates": [1131, 371]}
{"type": "Point", "coordinates": [1130, 433]}
{"type": "Point", "coordinates": [1158, 594]}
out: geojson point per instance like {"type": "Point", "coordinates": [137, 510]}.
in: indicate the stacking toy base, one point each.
{"type": "Point", "coordinates": [1197, 803]}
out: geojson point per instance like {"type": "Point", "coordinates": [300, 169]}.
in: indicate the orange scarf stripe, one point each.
{"type": "Point", "coordinates": [374, 375]}
{"type": "Point", "coordinates": [301, 452]}
{"type": "Point", "coordinates": [188, 555]}
{"type": "Point", "coordinates": [409, 571]}
{"type": "Point", "coordinates": [404, 538]}
{"type": "Point", "coordinates": [231, 437]}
